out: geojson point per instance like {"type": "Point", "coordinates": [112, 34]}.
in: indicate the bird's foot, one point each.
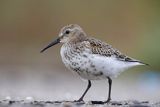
{"type": "Point", "coordinates": [109, 99]}
{"type": "Point", "coordinates": [97, 102]}
{"type": "Point", "coordinates": [101, 102]}
{"type": "Point", "coordinates": [80, 100]}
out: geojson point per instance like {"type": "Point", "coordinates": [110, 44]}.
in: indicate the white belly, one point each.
{"type": "Point", "coordinates": [110, 66]}
{"type": "Point", "coordinates": [93, 66]}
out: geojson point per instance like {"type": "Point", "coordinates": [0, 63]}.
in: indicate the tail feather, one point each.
{"type": "Point", "coordinates": [140, 62]}
{"type": "Point", "coordinates": [143, 63]}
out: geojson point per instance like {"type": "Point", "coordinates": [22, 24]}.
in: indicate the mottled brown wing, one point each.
{"type": "Point", "coordinates": [102, 48]}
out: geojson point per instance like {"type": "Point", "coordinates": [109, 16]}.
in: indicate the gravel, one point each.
{"type": "Point", "coordinates": [22, 103]}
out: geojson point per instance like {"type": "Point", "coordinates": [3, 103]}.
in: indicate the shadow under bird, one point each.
{"type": "Point", "coordinates": [90, 58]}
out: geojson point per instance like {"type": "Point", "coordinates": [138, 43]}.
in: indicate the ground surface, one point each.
{"type": "Point", "coordinates": [9, 103]}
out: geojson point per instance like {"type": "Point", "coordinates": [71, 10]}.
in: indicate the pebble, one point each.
{"type": "Point", "coordinates": [23, 103]}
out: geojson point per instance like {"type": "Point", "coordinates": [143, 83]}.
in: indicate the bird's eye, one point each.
{"type": "Point", "coordinates": [67, 32]}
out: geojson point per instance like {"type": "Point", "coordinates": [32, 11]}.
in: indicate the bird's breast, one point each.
{"type": "Point", "coordinates": [80, 62]}
{"type": "Point", "coordinates": [73, 57]}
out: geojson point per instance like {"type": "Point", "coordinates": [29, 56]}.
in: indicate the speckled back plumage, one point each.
{"type": "Point", "coordinates": [104, 49]}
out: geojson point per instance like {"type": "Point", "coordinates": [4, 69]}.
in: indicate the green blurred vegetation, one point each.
{"type": "Point", "coordinates": [26, 26]}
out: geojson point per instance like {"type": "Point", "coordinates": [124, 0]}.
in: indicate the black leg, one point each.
{"type": "Point", "coordinates": [109, 92]}
{"type": "Point", "coordinates": [89, 85]}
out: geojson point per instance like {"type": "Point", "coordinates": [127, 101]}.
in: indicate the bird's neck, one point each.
{"type": "Point", "coordinates": [78, 38]}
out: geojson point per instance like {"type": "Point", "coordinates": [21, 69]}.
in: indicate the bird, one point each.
{"type": "Point", "coordinates": [91, 58]}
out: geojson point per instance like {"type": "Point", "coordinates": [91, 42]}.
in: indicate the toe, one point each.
{"type": "Point", "coordinates": [97, 102]}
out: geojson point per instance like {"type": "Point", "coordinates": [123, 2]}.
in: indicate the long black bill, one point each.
{"type": "Point", "coordinates": [51, 44]}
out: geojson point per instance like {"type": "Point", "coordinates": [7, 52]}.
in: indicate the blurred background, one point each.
{"type": "Point", "coordinates": [26, 26]}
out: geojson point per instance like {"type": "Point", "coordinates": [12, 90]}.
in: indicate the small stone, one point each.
{"type": "Point", "coordinates": [8, 98]}
{"type": "Point", "coordinates": [67, 104]}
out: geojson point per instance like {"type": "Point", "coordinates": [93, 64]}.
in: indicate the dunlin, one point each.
{"type": "Point", "coordinates": [90, 58]}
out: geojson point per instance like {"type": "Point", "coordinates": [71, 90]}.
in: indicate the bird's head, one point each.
{"type": "Point", "coordinates": [69, 33]}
